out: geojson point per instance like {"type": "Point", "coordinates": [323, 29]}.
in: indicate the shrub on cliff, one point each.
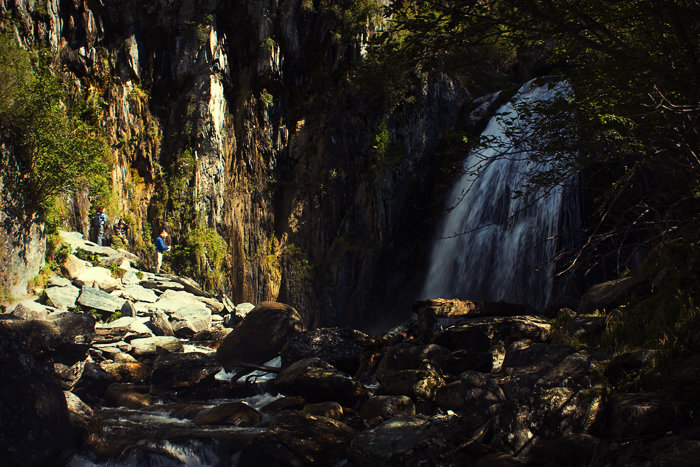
{"type": "Point", "coordinates": [52, 147]}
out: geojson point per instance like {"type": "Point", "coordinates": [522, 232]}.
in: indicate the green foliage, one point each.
{"type": "Point", "coordinates": [93, 258]}
{"type": "Point", "coordinates": [267, 98]}
{"type": "Point", "coordinates": [386, 152]}
{"type": "Point", "coordinates": [201, 255]}
{"type": "Point", "coordinates": [54, 149]}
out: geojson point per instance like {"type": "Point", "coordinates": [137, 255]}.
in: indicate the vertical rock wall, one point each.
{"type": "Point", "coordinates": [237, 116]}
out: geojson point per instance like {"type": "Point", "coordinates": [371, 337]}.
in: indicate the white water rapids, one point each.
{"type": "Point", "coordinates": [493, 245]}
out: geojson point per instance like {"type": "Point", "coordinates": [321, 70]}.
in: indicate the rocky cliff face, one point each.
{"type": "Point", "coordinates": [236, 116]}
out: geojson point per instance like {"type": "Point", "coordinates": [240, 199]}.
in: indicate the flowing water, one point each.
{"type": "Point", "coordinates": [494, 245]}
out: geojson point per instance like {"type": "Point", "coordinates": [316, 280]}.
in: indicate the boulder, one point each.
{"type": "Point", "coordinates": [149, 346]}
{"type": "Point", "coordinates": [191, 286]}
{"type": "Point", "coordinates": [58, 281]}
{"type": "Point", "coordinates": [129, 324]}
{"type": "Point", "coordinates": [480, 334]}
{"type": "Point", "coordinates": [99, 300]}
{"type": "Point", "coordinates": [186, 322]}
{"type": "Point", "coordinates": [136, 293]}
{"type": "Point", "coordinates": [473, 393]}
{"type": "Point", "coordinates": [214, 305]}
{"type": "Point", "coordinates": [63, 298]}
{"type": "Point", "coordinates": [35, 428]}
{"type": "Point", "coordinates": [261, 335]}
{"type": "Point", "coordinates": [124, 395]}
{"type": "Point", "coordinates": [639, 414]}
{"type": "Point", "coordinates": [407, 356]}
{"type": "Point", "coordinates": [97, 277]}
{"type": "Point", "coordinates": [74, 266]}
{"type": "Point", "coordinates": [324, 409]}
{"type": "Point", "coordinates": [318, 381]}
{"type": "Point", "coordinates": [230, 413]}
{"type": "Point", "coordinates": [126, 372]}
{"type": "Point", "coordinates": [176, 371]}
{"type": "Point", "coordinates": [629, 364]}
{"type": "Point", "coordinates": [68, 374]}
{"type": "Point", "coordinates": [130, 278]}
{"type": "Point", "coordinates": [160, 324]}
{"type": "Point", "coordinates": [242, 309]}
{"type": "Point", "coordinates": [413, 383]}
{"type": "Point", "coordinates": [296, 438]}
{"type": "Point", "coordinates": [118, 260]}
{"type": "Point", "coordinates": [391, 442]}
{"type": "Point", "coordinates": [607, 295]}
{"type": "Point", "coordinates": [380, 408]}
{"type": "Point", "coordinates": [30, 309]}
{"type": "Point", "coordinates": [339, 347]}
{"type": "Point", "coordinates": [82, 417]}
{"type": "Point", "coordinates": [454, 308]}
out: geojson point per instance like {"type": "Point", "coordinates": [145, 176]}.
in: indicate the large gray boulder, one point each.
{"type": "Point", "coordinates": [261, 335]}
{"type": "Point", "coordinates": [99, 300]}
{"type": "Point", "coordinates": [97, 277]}
{"type": "Point", "coordinates": [63, 298]}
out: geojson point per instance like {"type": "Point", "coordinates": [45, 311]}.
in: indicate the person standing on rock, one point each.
{"type": "Point", "coordinates": [99, 221]}
{"type": "Point", "coordinates": [160, 248]}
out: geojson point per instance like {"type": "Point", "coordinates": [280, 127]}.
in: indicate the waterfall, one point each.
{"type": "Point", "coordinates": [494, 245]}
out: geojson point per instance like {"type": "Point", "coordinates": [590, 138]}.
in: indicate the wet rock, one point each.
{"type": "Point", "coordinates": [183, 370]}
{"type": "Point", "coordinates": [480, 334]}
{"type": "Point", "coordinates": [474, 393]}
{"type": "Point", "coordinates": [391, 442]}
{"type": "Point", "coordinates": [639, 414]}
{"type": "Point", "coordinates": [99, 300]}
{"type": "Point", "coordinates": [82, 417]}
{"type": "Point", "coordinates": [377, 409]}
{"type": "Point", "coordinates": [124, 395]}
{"type": "Point", "coordinates": [35, 428]}
{"type": "Point", "coordinates": [63, 297]}
{"type": "Point", "coordinates": [316, 380]}
{"type": "Point", "coordinates": [232, 413]}
{"type": "Point", "coordinates": [339, 347]}
{"type": "Point", "coordinates": [413, 383]}
{"type": "Point", "coordinates": [261, 335]}
{"type": "Point", "coordinates": [471, 360]}
{"type": "Point", "coordinates": [92, 383]}
{"type": "Point", "coordinates": [97, 277]}
{"type": "Point", "coordinates": [295, 438]}
{"type": "Point", "coordinates": [407, 356]}
{"type": "Point", "coordinates": [607, 295]}
{"type": "Point", "coordinates": [160, 324]}
{"type": "Point", "coordinates": [149, 346]}
{"type": "Point", "coordinates": [284, 403]}
{"type": "Point", "coordinates": [126, 372]}
{"type": "Point", "coordinates": [325, 409]}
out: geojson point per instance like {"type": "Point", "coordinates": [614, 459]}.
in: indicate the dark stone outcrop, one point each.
{"type": "Point", "coordinates": [35, 428]}
{"type": "Point", "coordinates": [261, 335]}
{"type": "Point", "coordinates": [318, 381]}
{"type": "Point", "coordinates": [340, 347]}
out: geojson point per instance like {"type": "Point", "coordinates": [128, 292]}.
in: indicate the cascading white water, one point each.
{"type": "Point", "coordinates": [493, 245]}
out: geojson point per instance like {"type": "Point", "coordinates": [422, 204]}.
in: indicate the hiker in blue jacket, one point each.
{"type": "Point", "coordinates": [99, 221]}
{"type": "Point", "coordinates": [160, 248]}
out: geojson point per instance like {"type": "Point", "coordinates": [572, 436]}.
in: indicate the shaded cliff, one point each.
{"type": "Point", "coordinates": [239, 117]}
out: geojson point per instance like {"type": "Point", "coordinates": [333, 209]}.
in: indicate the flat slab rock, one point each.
{"type": "Point", "coordinates": [99, 300]}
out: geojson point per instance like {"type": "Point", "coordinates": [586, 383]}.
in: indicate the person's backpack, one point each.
{"type": "Point", "coordinates": [97, 220]}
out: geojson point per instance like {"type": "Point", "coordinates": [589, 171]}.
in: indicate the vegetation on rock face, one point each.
{"type": "Point", "coordinates": [54, 146]}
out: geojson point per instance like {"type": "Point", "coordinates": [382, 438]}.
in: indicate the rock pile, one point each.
{"type": "Point", "coordinates": [462, 384]}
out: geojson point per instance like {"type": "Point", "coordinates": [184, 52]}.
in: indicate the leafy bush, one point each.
{"type": "Point", "coordinates": [201, 256]}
